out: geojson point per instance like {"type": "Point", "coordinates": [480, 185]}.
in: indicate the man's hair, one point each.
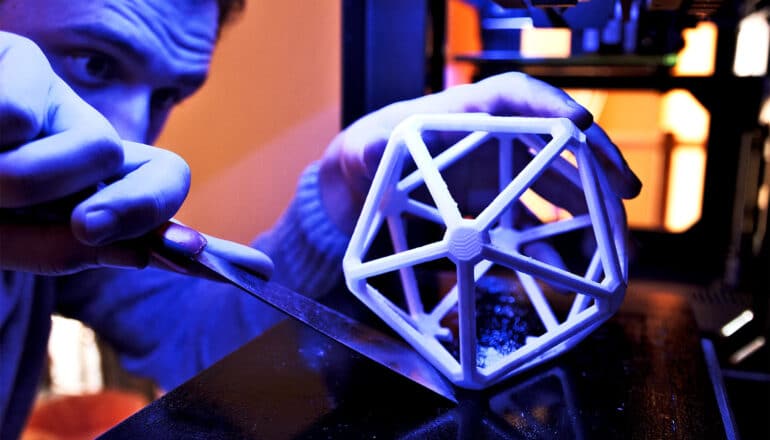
{"type": "Point", "coordinates": [228, 11]}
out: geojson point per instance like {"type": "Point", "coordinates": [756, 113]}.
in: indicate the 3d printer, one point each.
{"type": "Point", "coordinates": [679, 85]}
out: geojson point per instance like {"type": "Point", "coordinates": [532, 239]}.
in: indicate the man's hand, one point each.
{"type": "Point", "coordinates": [351, 160]}
{"type": "Point", "coordinates": [72, 194]}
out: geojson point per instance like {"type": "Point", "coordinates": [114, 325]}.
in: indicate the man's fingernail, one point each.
{"type": "Point", "coordinates": [100, 225]}
{"type": "Point", "coordinates": [574, 104]}
{"type": "Point", "coordinates": [182, 239]}
{"type": "Point", "coordinates": [630, 186]}
{"type": "Point", "coordinates": [636, 185]}
{"type": "Point", "coordinates": [583, 118]}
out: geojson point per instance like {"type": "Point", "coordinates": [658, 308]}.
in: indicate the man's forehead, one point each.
{"type": "Point", "coordinates": [71, 9]}
{"type": "Point", "coordinates": [174, 37]}
{"type": "Point", "coordinates": [186, 25]}
{"type": "Point", "coordinates": [181, 12]}
{"type": "Point", "coordinates": [181, 30]}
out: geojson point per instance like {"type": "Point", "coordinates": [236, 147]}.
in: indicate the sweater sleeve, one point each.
{"type": "Point", "coordinates": [163, 325]}
{"type": "Point", "coordinates": [305, 245]}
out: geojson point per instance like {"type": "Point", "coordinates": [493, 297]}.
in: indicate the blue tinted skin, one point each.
{"type": "Point", "coordinates": [131, 60]}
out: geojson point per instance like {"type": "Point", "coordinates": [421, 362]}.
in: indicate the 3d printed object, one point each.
{"type": "Point", "coordinates": [481, 297]}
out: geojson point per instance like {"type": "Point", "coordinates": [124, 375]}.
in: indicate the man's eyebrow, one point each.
{"type": "Point", "coordinates": [110, 37]}
{"type": "Point", "coordinates": [118, 41]}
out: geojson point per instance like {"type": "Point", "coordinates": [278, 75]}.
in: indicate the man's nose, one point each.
{"type": "Point", "coordinates": [131, 115]}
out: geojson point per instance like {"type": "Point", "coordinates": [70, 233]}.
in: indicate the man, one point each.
{"type": "Point", "coordinates": [84, 86]}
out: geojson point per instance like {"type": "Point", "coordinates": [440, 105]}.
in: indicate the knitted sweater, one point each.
{"type": "Point", "coordinates": [163, 325]}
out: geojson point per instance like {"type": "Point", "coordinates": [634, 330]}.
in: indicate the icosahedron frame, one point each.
{"type": "Point", "coordinates": [475, 245]}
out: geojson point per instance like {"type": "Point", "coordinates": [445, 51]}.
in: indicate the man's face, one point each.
{"type": "Point", "coordinates": [133, 60]}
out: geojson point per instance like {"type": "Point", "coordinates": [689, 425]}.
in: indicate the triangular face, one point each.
{"type": "Point", "coordinates": [447, 175]}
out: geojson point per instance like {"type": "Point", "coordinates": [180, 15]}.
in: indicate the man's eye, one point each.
{"type": "Point", "coordinates": [90, 68]}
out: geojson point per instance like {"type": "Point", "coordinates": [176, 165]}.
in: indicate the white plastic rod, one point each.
{"type": "Point", "coordinates": [467, 312]}
{"type": "Point", "coordinates": [393, 262]}
{"type": "Point", "coordinates": [406, 273]}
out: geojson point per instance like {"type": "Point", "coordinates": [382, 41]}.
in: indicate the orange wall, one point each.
{"type": "Point", "coordinates": [269, 108]}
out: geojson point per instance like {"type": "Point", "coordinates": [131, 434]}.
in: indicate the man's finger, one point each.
{"type": "Point", "coordinates": [622, 180]}
{"type": "Point", "coordinates": [56, 166]}
{"type": "Point", "coordinates": [53, 250]}
{"type": "Point", "coordinates": [511, 94]}
{"type": "Point", "coordinates": [25, 78]}
{"type": "Point", "coordinates": [54, 143]}
{"type": "Point", "coordinates": [514, 94]}
{"type": "Point", "coordinates": [241, 255]}
{"type": "Point", "coordinates": [152, 190]}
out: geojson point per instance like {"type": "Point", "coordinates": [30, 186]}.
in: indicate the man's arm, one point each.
{"type": "Point", "coordinates": [308, 243]}
{"type": "Point", "coordinates": [349, 164]}
{"type": "Point", "coordinates": [164, 325]}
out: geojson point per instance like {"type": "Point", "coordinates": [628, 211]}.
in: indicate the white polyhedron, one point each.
{"type": "Point", "coordinates": [492, 238]}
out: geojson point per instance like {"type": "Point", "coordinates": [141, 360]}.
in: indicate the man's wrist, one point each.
{"type": "Point", "coordinates": [339, 199]}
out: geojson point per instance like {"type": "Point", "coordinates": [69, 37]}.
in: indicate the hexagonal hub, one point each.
{"type": "Point", "coordinates": [466, 243]}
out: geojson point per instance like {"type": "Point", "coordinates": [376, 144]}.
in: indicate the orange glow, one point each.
{"type": "Point", "coordinates": [762, 196]}
{"type": "Point", "coordinates": [641, 141]}
{"type": "Point", "coordinates": [685, 189]}
{"type": "Point", "coordinates": [544, 210]}
{"type": "Point", "coordinates": [260, 119]}
{"type": "Point", "coordinates": [546, 42]}
{"type": "Point", "coordinates": [463, 37]}
{"type": "Point", "coordinates": [665, 300]}
{"type": "Point", "coordinates": [569, 157]}
{"type": "Point", "coordinates": [592, 99]}
{"type": "Point", "coordinates": [684, 117]}
{"type": "Point", "coordinates": [688, 121]}
{"type": "Point", "coordinates": [672, 169]}
{"type": "Point", "coordinates": [697, 56]}
{"type": "Point", "coordinates": [764, 113]}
